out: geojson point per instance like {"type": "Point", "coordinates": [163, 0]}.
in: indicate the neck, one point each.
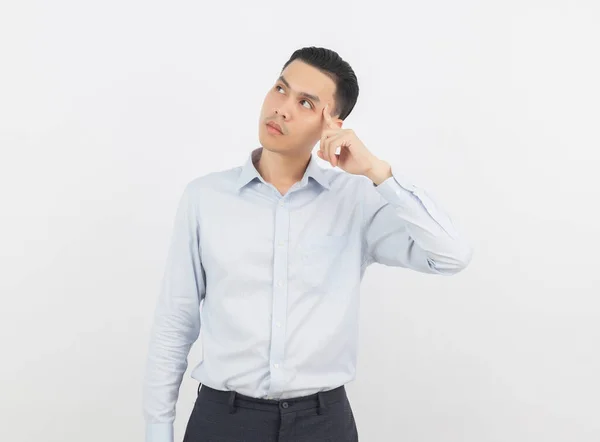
{"type": "Point", "coordinates": [280, 169]}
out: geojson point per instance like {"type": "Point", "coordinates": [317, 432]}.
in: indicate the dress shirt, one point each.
{"type": "Point", "coordinates": [274, 279]}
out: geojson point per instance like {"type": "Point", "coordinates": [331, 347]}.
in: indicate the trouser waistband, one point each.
{"type": "Point", "coordinates": [234, 399]}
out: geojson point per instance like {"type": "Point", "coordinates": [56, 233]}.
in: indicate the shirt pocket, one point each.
{"type": "Point", "coordinates": [322, 259]}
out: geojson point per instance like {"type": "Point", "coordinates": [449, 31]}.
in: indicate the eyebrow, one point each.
{"type": "Point", "coordinates": [303, 94]}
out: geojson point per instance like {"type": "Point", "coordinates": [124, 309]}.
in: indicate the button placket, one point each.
{"type": "Point", "coordinates": [279, 306]}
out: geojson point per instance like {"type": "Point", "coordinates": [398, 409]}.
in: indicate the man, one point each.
{"type": "Point", "coordinates": [274, 253]}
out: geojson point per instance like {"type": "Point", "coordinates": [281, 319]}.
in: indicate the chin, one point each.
{"type": "Point", "coordinates": [271, 148]}
{"type": "Point", "coordinates": [269, 143]}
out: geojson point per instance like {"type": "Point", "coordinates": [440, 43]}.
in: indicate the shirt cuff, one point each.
{"type": "Point", "coordinates": [396, 189]}
{"type": "Point", "coordinates": [160, 432]}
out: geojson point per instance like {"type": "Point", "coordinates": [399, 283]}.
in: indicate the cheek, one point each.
{"type": "Point", "coordinates": [265, 104]}
{"type": "Point", "coordinates": [316, 129]}
{"type": "Point", "coordinates": [267, 101]}
{"type": "Point", "coordinates": [273, 98]}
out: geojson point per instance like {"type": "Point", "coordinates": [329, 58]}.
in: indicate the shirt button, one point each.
{"type": "Point", "coordinates": [281, 203]}
{"type": "Point", "coordinates": [278, 324]}
{"type": "Point", "coordinates": [276, 365]}
{"type": "Point", "coordinates": [279, 283]}
{"type": "Point", "coordinates": [284, 405]}
{"type": "Point", "coordinates": [281, 243]}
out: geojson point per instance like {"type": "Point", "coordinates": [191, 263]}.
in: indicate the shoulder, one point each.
{"type": "Point", "coordinates": [213, 181]}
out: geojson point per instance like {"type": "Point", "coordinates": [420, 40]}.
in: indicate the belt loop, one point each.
{"type": "Point", "coordinates": [321, 403]}
{"type": "Point", "coordinates": [231, 402]}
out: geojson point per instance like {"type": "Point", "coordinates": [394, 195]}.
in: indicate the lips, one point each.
{"type": "Point", "coordinates": [275, 126]}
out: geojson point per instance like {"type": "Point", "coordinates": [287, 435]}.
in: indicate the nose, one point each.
{"type": "Point", "coordinates": [283, 112]}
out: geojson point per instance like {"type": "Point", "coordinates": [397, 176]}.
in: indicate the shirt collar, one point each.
{"type": "Point", "coordinates": [249, 171]}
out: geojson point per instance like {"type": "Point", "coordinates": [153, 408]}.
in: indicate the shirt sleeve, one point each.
{"type": "Point", "coordinates": [176, 324]}
{"type": "Point", "coordinates": [404, 227]}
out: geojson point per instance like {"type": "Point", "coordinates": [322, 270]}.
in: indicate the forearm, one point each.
{"type": "Point", "coordinates": [409, 216]}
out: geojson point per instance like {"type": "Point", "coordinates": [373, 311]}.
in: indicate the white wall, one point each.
{"type": "Point", "coordinates": [107, 109]}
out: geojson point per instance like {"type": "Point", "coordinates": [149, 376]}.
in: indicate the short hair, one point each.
{"type": "Point", "coordinates": [332, 65]}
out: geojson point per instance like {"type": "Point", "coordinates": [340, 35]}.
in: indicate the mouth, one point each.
{"type": "Point", "coordinates": [274, 128]}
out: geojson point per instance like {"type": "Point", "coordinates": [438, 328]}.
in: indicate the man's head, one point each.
{"type": "Point", "coordinates": [310, 79]}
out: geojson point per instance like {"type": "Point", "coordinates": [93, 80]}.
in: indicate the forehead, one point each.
{"type": "Point", "coordinates": [303, 77]}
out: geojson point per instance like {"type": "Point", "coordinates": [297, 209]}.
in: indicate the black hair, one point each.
{"type": "Point", "coordinates": [332, 65]}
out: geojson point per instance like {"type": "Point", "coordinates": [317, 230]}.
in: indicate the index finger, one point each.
{"type": "Point", "coordinates": [327, 116]}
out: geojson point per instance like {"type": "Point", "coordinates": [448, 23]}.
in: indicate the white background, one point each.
{"type": "Point", "coordinates": [107, 109]}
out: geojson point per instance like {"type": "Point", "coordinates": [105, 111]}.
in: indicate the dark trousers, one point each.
{"type": "Point", "coordinates": [227, 416]}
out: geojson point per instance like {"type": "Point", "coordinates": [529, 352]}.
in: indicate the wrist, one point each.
{"type": "Point", "coordinates": [379, 172]}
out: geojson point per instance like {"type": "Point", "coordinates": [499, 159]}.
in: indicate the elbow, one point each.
{"type": "Point", "coordinates": [463, 259]}
{"type": "Point", "coordinates": [454, 262]}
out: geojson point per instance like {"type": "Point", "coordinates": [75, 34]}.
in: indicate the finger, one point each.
{"type": "Point", "coordinates": [335, 143]}
{"type": "Point", "coordinates": [321, 155]}
{"type": "Point", "coordinates": [331, 145]}
{"type": "Point", "coordinates": [324, 144]}
{"type": "Point", "coordinates": [322, 148]}
{"type": "Point", "coordinates": [326, 134]}
{"type": "Point", "coordinates": [327, 116]}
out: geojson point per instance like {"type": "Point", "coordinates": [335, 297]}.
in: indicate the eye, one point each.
{"type": "Point", "coordinates": [309, 104]}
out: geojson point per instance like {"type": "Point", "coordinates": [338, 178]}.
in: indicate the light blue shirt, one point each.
{"type": "Point", "coordinates": [273, 281]}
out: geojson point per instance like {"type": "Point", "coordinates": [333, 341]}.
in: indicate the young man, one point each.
{"type": "Point", "coordinates": [275, 251]}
